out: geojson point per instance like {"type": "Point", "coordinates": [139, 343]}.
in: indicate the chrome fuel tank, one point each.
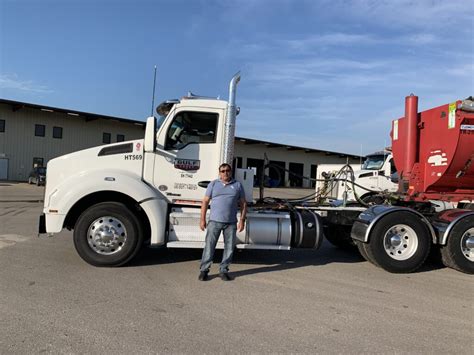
{"type": "Point", "coordinates": [263, 230]}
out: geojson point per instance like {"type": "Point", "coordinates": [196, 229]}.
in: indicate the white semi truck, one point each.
{"type": "Point", "coordinates": [373, 177]}
{"type": "Point", "coordinates": [119, 197]}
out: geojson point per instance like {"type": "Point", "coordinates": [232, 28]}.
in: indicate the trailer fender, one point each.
{"type": "Point", "coordinates": [446, 220]}
{"type": "Point", "coordinates": [366, 221]}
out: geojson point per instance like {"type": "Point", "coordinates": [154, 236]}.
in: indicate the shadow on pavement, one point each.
{"type": "Point", "coordinates": [273, 260]}
{"type": "Point", "coordinates": [268, 260]}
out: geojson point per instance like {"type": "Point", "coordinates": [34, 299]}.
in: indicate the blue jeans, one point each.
{"type": "Point", "coordinates": [214, 230]}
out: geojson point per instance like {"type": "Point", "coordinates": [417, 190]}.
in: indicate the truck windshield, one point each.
{"type": "Point", "coordinates": [160, 121]}
{"type": "Point", "coordinates": [374, 162]}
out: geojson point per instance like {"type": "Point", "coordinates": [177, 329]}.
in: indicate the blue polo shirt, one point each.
{"type": "Point", "coordinates": [224, 200]}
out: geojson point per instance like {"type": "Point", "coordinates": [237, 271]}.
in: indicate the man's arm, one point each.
{"type": "Point", "coordinates": [204, 205]}
{"type": "Point", "coordinates": [243, 214]}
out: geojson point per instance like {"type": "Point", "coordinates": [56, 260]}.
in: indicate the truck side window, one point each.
{"type": "Point", "coordinates": [191, 127]}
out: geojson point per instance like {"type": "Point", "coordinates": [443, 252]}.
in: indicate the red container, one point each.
{"type": "Point", "coordinates": [434, 152]}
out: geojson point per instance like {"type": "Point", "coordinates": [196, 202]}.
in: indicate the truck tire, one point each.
{"type": "Point", "coordinates": [339, 236]}
{"type": "Point", "coordinates": [361, 247]}
{"type": "Point", "coordinates": [373, 199]}
{"type": "Point", "coordinates": [458, 253]}
{"type": "Point", "coordinates": [107, 234]}
{"type": "Point", "coordinates": [399, 243]}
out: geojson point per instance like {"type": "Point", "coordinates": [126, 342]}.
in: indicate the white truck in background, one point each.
{"type": "Point", "coordinates": [374, 176]}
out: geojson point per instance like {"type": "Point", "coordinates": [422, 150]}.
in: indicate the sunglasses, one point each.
{"type": "Point", "coordinates": [225, 171]}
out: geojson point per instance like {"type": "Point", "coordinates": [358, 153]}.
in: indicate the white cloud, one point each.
{"type": "Point", "coordinates": [463, 70]}
{"type": "Point", "coordinates": [11, 81]}
{"type": "Point", "coordinates": [434, 14]}
{"type": "Point", "coordinates": [328, 39]}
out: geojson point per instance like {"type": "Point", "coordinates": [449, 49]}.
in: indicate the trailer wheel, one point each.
{"type": "Point", "coordinates": [339, 236]}
{"type": "Point", "coordinates": [458, 253]}
{"type": "Point", "coordinates": [107, 234]}
{"type": "Point", "coordinates": [399, 243]}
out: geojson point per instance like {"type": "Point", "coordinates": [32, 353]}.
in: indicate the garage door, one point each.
{"type": "Point", "coordinates": [3, 169]}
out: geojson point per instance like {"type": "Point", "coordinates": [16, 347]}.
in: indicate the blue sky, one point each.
{"type": "Point", "coordinates": [320, 74]}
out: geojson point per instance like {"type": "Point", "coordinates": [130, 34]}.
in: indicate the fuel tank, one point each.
{"type": "Point", "coordinates": [433, 151]}
{"type": "Point", "coordinates": [263, 230]}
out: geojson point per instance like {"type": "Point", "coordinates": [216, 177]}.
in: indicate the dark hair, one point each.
{"type": "Point", "coordinates": [225, 165]}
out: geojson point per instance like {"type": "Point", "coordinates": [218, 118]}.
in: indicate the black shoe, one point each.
{"type": "Point", "coordinates": [225, 276]}
{"type": "Point", "coordinates": [203, 276]}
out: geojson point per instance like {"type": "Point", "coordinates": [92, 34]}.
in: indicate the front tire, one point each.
{"type": "Point", "coordinates": [458, 253]}
{"type": "Point", "coordinates": [399, 243]}
{"type": "Point", "coordinates": [107, 234]}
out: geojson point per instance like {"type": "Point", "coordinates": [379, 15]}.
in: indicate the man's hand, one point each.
{"type": "Point", "coordinates": [241, 225]}
{"type": "Point", "coordinates": [204, 205]}
{"type": "Point", "coordinates": [203, 224]}
{"type": "Point", "coordinates": [243, 214]}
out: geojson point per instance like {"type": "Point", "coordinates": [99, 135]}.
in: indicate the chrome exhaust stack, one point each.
{"type": "Point", "coordinates": [229, 130]}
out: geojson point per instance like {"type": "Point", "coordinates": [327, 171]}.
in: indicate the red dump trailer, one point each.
{"type": "Point", "coordinates": [433, 151]}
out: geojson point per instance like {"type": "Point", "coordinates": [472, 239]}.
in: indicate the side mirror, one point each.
{"type": "Point", "coordinates": [149, 143]}
{"type": "Point", "coordinates": [394, 178]}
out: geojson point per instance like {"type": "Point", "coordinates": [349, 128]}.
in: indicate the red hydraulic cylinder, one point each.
{"type": "Point", "coordinates": [411, 149]}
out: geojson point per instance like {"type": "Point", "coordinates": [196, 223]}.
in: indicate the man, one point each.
{"type": "Point", "coordinates": [225, 194]}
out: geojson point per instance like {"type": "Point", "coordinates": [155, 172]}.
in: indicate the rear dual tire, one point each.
{"type": "Point", "coordinates": [362, 248]}
{"type": "Point", "coordinates": [339, 236]}
{"type": "Point", "coordinates": [458, 253]}
{"type": "Point", "coordinates": [399, 243]}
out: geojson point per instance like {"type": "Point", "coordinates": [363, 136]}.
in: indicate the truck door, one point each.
{"type": "Point", "coordinates": [384, 181]}
{"type": "Point", "coordinates": [188, 152]}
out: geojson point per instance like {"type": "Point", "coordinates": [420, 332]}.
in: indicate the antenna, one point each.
{"type": "Point", "coordinates": [153, 94]}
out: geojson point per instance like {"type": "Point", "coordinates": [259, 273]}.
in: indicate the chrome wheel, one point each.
{"type": "Point", "coordinates": [106, 235]}
{"type": "Point", "coordinates": [467, 244]}
{"type": "Point", "coordinates": [400, 242]}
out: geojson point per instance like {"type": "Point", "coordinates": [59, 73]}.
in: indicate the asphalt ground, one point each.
{"type": "Point", "coordinates": [302, 301]}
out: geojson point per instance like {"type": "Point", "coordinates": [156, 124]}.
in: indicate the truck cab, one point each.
{"type": "Point", "coordinates": [187, 149]}
{"type": "Point", "coordinates": [375, 176]}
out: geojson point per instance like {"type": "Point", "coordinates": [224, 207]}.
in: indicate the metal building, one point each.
{"type": "Point", "coordinates": [31, 135]}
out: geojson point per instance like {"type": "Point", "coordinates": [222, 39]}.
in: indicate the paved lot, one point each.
{"type": "Point", "coordinates": [326, 301]}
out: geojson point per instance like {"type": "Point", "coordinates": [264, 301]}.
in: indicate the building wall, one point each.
{"type": "Point", "coordinates": [257, 151]}
{"type": "Point", "coordinates": [19, 144]}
